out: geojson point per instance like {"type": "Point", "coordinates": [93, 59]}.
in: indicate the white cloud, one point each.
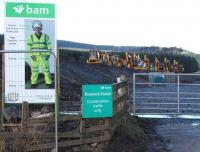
{"type": "Point", "coordinates": [130, 22]}
{"type": "Point", "coordinates": [1, 16]}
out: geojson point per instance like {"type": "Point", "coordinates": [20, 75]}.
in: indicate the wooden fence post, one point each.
{"type": "Point", "coordinates": [82, 125]}
{"type": "Point", "coordinates": [25, 115]}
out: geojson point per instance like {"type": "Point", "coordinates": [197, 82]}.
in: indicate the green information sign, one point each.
{"type": "Point", "coordinates": [30, 10]}
{"type": "Point", "coordinates": [97, 101]}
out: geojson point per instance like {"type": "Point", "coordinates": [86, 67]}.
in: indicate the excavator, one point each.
{"type": "Point", "coordinates": [128, 61]}
{"type": "Point", "coordinates": [156, 65]}
{"type": "Point", "coordinates": [138, 64]}
{"type": "Point", "coordinates": [135, 62]}
{"type": "Point", "coordinates": [176, 67]}
{"type": "Point", "coordinates": [117, 61]}
{"type": "Point", "coordinates": [110, 58]}
{"type": "Point", "coordinates": [165, 66]}
{"type": "Point", "coordinates": [146, 63]}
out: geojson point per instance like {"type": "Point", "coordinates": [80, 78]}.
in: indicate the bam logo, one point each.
{"type": "Point", "coordinates": [33, 10]}
{"type": "Point", "coordinates": [30, 10]}
{"type": "Point", "coordinates": [19, 9]}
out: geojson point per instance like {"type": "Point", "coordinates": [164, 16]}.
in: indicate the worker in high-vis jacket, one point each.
{"type": "Point", "coordinates": [39, 42]}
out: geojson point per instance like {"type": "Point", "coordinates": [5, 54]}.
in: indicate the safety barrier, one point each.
{"type": "Point", "coordinates": [166, 94]}
{"type": "Point", "coordinates": [74, 132]}
{"type": "Point", "coordinates": [16, 129]}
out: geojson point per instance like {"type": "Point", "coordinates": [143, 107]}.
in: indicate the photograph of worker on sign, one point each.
{"type": "Point", "coordinates": [38, 73]}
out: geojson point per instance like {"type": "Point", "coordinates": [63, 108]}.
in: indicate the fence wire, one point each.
{"type": "Point", "coordinates": [28, 109]}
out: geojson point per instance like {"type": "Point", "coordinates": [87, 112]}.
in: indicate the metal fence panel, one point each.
{"type": "Point", "coordinates": [22, 128]}
{"type": "Point", "coordinates": [166, 94]}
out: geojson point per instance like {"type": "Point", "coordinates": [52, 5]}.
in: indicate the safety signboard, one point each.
{"type": "Point", "coordinates": [97, 101]}
{"type": "Point", "coordinates": [30, 31]}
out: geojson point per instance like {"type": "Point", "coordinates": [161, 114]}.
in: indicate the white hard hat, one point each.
{"type": "Point", "coordinates": [37, 23]}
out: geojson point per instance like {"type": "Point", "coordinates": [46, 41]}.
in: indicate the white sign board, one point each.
{"type": "Point", "coordinates": [30, 76]}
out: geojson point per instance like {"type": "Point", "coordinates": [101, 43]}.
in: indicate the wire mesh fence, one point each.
{"type": "Point", "coordinates": [29, 96]}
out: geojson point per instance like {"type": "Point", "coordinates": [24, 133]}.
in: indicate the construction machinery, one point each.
{"type": "Point", "coordinates": [156, 65]}
{"type": "Point", "coordinates": [94, 57]}
{"type": "Point", "coordinates": [110, 58]}
{"type": "Point", "coordinates": [146, 63]}
{"type": "Point", "coordinates": [176, 67]}
{"type": "Point", "coordinates": [128, 60]}
{"type": "Point", "coordinates": [117, 61]}
{"type": "Point", "coordinates": [165, 66]}
{"type": "Point", "coordinates": [105, 59]}
{"type": "Point", "coordinates": [138, 64]}
{"type": "Point", "coordinates": [133, 61]}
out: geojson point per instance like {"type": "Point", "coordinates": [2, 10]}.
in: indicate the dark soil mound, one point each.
{"type": "Point", "coordinates": [75, 74]}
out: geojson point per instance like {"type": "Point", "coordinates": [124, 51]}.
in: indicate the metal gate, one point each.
{"type": "Point", "coordinates": [166, 94]}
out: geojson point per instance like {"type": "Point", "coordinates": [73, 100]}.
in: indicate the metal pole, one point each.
{"type": "Point", "coordinates": [24, 51]}
{"type": "Point", "coordinates": [56, 108]}
{"type": "Point", "coordinates": [134, 94]}
{"type": "Point", "coordinates": [178, 96]}
{"type": "Point", "coordinates": [56, 99]}
{"type": "Point", "coordinates": [3, 90]}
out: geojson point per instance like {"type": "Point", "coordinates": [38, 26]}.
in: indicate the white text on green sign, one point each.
{"type": "Point", "coordinates": [30, 10]}
{"type": "Point", "coordinates": [97, 101]}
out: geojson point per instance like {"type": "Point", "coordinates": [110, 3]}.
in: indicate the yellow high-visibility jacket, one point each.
{"type": "Point", "coordinates": [43, 43]}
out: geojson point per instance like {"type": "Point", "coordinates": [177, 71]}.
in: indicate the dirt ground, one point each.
{"type": "Point", "coordinates": [137, 135]}
{"type": "Point", "coordinates": [183, 135]}
{"type": "Point", "coordinates": [156, 135]}
{"type": "Point", "coordinates": [76, 74]}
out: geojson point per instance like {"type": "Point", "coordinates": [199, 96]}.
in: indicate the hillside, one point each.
{"type": "Point", "coordinates": [69, 44]}
{"type": "Point", "coordinates": [141, 49]}
{"type": "Point", "coordinates": [74, 74]}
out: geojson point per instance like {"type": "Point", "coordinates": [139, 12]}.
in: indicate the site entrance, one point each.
{"type": "Point", "coordinates": [166, 94]}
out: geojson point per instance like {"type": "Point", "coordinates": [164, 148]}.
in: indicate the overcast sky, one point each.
{"type": "Point", "coordinates": [164, 23]}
